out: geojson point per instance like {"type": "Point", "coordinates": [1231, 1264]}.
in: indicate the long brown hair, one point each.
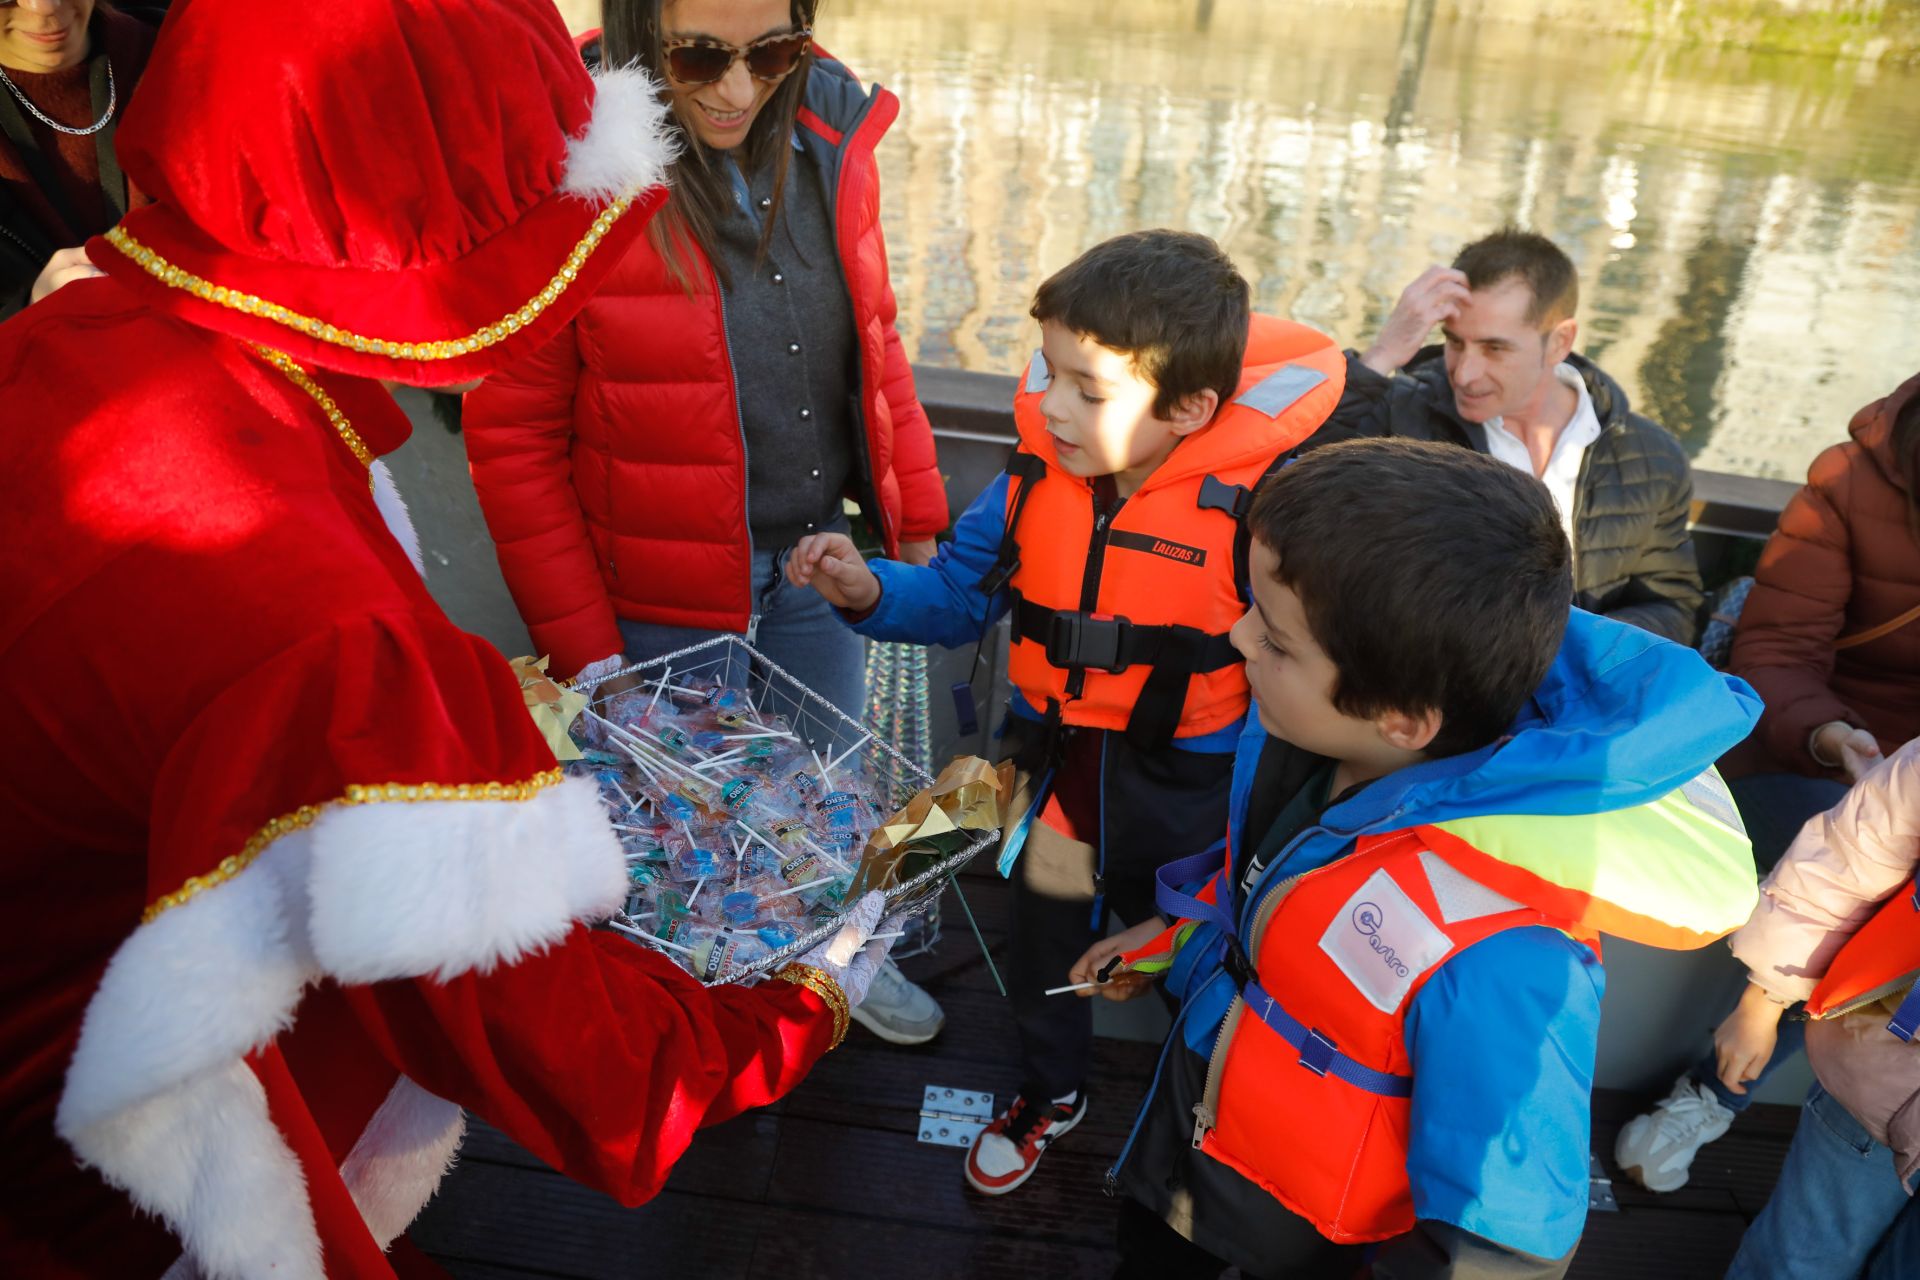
{"type": "Point", "coordinates": [700, 189]}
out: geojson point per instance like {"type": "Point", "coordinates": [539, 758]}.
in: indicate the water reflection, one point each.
{"type": "Point", "coordinates": [1745, 225]}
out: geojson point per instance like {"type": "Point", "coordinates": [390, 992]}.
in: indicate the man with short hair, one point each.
{"type": "Point", "coordinates": [1506, 382]}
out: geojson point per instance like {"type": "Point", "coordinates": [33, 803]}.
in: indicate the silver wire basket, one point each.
{"type": "Point", "coordinates": [772, 691]}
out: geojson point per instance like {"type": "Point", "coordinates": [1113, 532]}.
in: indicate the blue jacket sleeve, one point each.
{"type": "Point", "coordinates": [1502, 1042]}
{"type": "Point", "coordinates": [941, 603]}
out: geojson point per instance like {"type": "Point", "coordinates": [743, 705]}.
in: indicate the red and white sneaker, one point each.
{"type": "Point", "coordinates": [1010, 1148]}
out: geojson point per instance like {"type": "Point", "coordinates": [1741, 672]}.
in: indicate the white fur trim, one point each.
{"type": "Point", "coordinates": [628, 143]}
{"type": "Point", "coordinates": [393, 509]}
{"type": "Point", "coordinates": [444, 886]}
{"type": "Point", "coordinates": [396, 1166]}
{"type": "Point", "coordinates": [157, 1097]}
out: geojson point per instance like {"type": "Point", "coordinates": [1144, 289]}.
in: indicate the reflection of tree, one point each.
{"type": "Point", "coordinates": [1415, 27]}
{"type": "Point", "coordinates": [1681, 373]}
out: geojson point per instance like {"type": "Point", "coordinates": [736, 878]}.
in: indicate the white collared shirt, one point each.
{"type": "Point", "coordinates": [1562, 475]}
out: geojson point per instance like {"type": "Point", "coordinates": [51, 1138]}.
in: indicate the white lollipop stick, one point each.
{"type": "Point", "coordinates": [781, 893]}
{"type": "Point", "coordinates": [659, 686]}
{"type": "Point", "coordinates": [835, 762]}
{"type": "Point", "coordinates": [826, 779]}
{"type": "Point", "coordinates": [1078, 986]}
{"type": "Point", "coordinates": [701, 884]}
{"type": "Point", "coordinates": [655, 940]}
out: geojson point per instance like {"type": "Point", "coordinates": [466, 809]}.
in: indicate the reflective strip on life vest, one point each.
{"type": "Point", "coordinates": [1590, 867]}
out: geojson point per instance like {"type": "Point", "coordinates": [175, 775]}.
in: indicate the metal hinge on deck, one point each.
{"type": "Point", "coordinates": [1599, 1187]}
{"type": "Point", "coordinates": [954, 1117]}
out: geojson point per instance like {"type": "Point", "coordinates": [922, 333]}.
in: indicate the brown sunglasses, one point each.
{"type": "Point", "coordinates": [703, 59]}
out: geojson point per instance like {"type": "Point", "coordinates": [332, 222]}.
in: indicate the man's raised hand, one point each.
{"type": "Point", "coordinates": [1431, 299]}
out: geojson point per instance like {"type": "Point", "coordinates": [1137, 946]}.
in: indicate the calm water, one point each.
{"type": "Point", "coordinates": [1747, 226]}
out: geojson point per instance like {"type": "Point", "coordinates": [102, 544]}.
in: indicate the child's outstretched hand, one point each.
{"type": "Point", "coordinates": [1119, 984]}
{"type": "Point", "coordinates": [832, 565]}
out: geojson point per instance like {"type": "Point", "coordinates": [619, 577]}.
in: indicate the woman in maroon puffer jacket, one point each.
{"type": "Point", "coordinates": [733, 379]}
{"type": "Point", "coordinates": [1844, 562]}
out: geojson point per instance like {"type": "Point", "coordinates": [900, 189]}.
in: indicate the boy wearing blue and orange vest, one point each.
{"type": "Point", "coordinates": [1115, 543]}
{"type": "Point", "coordinates": [1389, 971]}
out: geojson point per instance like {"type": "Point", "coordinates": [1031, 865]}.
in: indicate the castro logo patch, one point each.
{"type": "Point", "coordinates": [1383, 942]}
{"type": "Point", "coordinates": [1162, 547]}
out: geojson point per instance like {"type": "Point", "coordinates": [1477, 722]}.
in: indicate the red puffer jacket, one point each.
{"type": "Point", "coordinates": [1842, 561]}
{"type": "Point", "coordinates": [611, 467]}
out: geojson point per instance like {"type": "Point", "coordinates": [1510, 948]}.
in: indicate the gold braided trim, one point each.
{"type": "Point", "coordinates": [300, 378]}
{"type": "Point", "coordinates": [303, 817]}
{"type": "Point", "coordinates": [822, 984]}
{"type": "Point", "coordinates": [450, 349]}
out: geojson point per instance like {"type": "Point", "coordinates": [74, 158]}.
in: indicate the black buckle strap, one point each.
{"type": "Point", "coordinates": [1105, 642]}
{"type": "Point", "coordinates": [1217, 495]}
{"type": "Point", "coordinates": [1089, 640]}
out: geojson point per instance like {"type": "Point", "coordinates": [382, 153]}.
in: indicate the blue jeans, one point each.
{"type": "Point", "coordinates": [1774, 807]}
{"type": "Point", "coordinates": [1838, 1210]}
{"type": "Point", "coordinates": [797, 630]}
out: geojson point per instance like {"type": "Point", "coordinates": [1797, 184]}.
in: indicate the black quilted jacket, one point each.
{"type": "Point", "coordinates": [1633, 558]}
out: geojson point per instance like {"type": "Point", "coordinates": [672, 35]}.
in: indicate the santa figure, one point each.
{"type": "Point", "coordinates": [288, 875]}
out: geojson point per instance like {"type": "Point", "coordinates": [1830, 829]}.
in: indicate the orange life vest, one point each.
{"type": "Point", "coordinates": [1881, 960]}
{"type": "Point", "coordinates": [1123, 624]}
{"type": "Point", "coordinates": [1308, 1091]}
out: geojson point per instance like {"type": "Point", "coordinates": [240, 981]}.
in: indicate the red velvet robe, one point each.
{"type": "Point", "coordinates": [208, 638]}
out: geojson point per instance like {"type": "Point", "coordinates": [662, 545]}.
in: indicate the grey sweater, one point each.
{"type": "Point", "coordinates": [795, 361]}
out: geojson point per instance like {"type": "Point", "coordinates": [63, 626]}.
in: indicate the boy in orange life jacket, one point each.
{"type": "Point", "coordinates": [1153, 407]}
{"type": "Point", "coordinates": [1389, 979]}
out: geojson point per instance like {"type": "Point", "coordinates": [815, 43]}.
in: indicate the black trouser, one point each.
{"type": "Point", "coordinates": [1153, 808]}
{"type": "Point", "coordinates": [1052, 927]}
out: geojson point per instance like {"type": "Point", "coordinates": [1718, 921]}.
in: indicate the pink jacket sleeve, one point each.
{"type": "Point", "coordinates": [923, 494]}
{"type": "Point", "coordinates": [519, 429]}
{"type": "Point", "coordinates": [1839, 869]}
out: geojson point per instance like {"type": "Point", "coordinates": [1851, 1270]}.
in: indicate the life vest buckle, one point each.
{"type": "Point", "coordinates": [1091, 640]}
{"type": "Point", "coordinates": [1318, 1052]}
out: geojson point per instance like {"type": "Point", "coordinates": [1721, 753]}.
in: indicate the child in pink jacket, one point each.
{"type": "Point", "coordinates": [1842, 1206]}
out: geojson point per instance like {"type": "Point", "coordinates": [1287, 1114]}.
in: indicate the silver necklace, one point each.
{"type": "Point", "coordinates": [95, 127]}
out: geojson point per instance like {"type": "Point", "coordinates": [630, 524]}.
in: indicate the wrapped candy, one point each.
{"type": "Point", "coordinates": [738, 837]}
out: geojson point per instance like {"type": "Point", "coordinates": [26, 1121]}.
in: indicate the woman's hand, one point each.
{"type": "Point", "coordinates": [832, 565]}
{"type": "Point", "coordinates": [1121, 984]}
{"type": "Point", "coordinates": [64, 267]}
{"type": "Point", "coordinates": [1838, 745]}
{"type": "Point", "coordinates": [918, 553]}
{"type": "Point", "coordinates": [1743, 1044]}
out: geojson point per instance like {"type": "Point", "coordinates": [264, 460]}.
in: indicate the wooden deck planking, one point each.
{"type": "Point", "coordinates": [832, 1183]}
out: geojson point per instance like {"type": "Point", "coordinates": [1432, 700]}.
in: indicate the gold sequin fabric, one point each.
{"type": "Point", "coordinates": [175, 277]}
{"type": "Point", "coordinates": [300, 378]}
{"type": "Point", "coordinates": [821, 983]}
{"type": "Point", "coordinates": [303, 817]}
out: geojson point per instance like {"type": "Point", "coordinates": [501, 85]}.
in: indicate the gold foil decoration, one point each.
{"type": "Point", "coordinates": [553, 708]}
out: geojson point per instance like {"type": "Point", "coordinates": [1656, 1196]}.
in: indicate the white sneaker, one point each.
{"type": "Point", "coordinates": [1658, 1148]}
{"type": "Point", "coordinates": [898, 1011]}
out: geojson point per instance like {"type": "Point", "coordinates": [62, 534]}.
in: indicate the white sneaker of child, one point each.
{"type": "Point", "coordinates": [1657, 1149]}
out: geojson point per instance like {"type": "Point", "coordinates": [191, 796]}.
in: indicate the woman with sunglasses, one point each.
{"type": "Point", "coordinates": [735, 377]}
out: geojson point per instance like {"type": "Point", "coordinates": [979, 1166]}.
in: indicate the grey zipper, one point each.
{"type": "Point", "coordinates": [740, 424]}
{"type": "Point", "coordinates": [1206, 1112]}
{"type": "Point", "coordinates": [1874, 996]}
{"type": "Point", "coordinates": [859, 401]}
{"type": "Point", "coordinates": [24, 246]}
